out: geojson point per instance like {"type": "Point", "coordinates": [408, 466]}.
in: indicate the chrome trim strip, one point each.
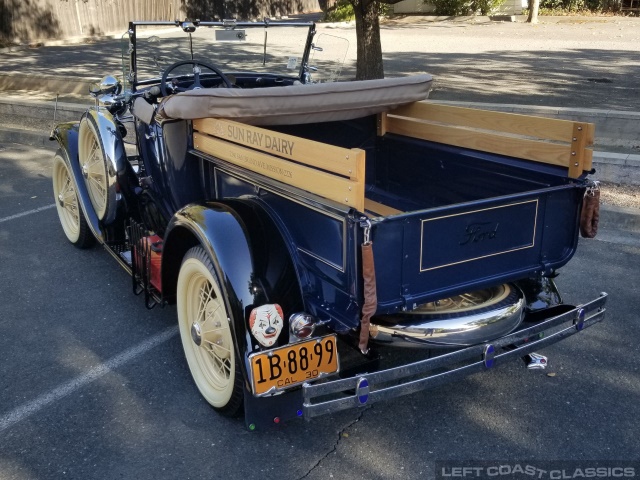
{"type": "Point", "coordinates": [594, 313]}
{"type": "Point", "coordinates": [123, 264]}
{"type": "Point", "coordinates": [326, 262]}
{"type": "Point", "coordinates": [301, 197]}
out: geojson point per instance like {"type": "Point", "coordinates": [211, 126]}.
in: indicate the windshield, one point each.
{"type": "Point", "coordinates": [247, 47]}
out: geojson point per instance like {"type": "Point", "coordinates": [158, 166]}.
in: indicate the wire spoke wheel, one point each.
{"type": "Point", "coordinates": [466, 302]}
{"type": "Point", "coordinates": [471, 303]}
{"type": "Point", "coordinates": [205, 330]}
{"type": "Point", "coordinates": [71, 217]}
{"type": "Point", "coordinates": [94, 167]}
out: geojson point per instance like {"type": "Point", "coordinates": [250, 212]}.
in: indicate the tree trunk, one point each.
{"type": "Point", "coordinates": [534, 6]}
{"type": "Point", "coordinates": [369, 61]}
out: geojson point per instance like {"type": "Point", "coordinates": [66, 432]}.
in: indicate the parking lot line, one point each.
{"type": "Point", "coordinates": [30, 408]}
{"type": "Point", "coordinates": [29, 212]}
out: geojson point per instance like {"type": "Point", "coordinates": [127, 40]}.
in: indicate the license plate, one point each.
{"type": "Point", "coordinates": [291, 365]}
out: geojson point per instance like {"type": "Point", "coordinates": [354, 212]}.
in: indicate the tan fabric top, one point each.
{"type": "Point", "coordinates": [318, 102]}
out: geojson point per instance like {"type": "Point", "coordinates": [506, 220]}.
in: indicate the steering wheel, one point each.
{"type": "Point", "coordinates": [196, 76]}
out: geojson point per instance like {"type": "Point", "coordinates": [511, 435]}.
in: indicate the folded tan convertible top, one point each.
{"type": "Point", "coordinates": [318, 102]}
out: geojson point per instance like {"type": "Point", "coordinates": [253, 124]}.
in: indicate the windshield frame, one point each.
{"type": "Point", "coordinates": [131, 75]}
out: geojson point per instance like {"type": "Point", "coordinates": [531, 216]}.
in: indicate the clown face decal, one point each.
{"type": "Point", "coordinates": [266, 324]}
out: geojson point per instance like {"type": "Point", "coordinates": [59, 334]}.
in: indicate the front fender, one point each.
{"type": "Point", "coordinates": [66, 134]}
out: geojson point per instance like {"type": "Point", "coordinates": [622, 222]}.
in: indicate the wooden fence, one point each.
{"type": "Point", "coordinates": [29, 21]}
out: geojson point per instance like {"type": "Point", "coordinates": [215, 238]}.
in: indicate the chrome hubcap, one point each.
{"type": "Point", "coordinates": [85, 170]}
{"type": "Point", "coordinates": [61, 200]}
{"type": "Point", "coordinates": [196, 334]}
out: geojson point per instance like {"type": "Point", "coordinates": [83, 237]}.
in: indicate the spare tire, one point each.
{"type": "Point", "coordinates": [461, 320]}
{"type": "Point", "coordinates": [99, 178]}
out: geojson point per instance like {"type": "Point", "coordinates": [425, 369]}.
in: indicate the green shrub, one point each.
{"type": "Point", "coordinates": [452, 8]}
{"type": "Point", "coordinates": [343, 12]}
{"type": "Point", "coordinates": [564, 7]}
{"type": "Point", "coordinates": [486, 7]}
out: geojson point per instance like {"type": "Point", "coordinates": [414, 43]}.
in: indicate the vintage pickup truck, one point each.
{"type": "Point", "coordinates": [304, 225]}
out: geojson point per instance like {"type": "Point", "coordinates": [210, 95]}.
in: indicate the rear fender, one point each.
{"type": "Point", "coordinates": [249, 254]}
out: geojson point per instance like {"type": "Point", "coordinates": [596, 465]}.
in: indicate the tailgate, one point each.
{"type": "Point", "coordinates": [430, 254]}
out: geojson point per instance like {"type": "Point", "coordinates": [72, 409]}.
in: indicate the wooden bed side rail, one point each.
{"type": "Point", "coordinates": [326, 170]}
{"type": "Point", "coordinates": [547, 140]}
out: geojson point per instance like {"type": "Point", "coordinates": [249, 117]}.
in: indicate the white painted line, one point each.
{"type": "Point", "coordinates": [23, 214]}
{"type": "Point", "coordinates": [26, 410]}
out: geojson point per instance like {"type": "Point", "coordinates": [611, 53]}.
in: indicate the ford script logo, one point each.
{"type": "Point", "coordinates": [477, 232]}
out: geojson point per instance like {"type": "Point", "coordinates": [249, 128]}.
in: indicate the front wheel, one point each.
{"type": "Point", "coordinates": [205, 330]}
{"type": "Point", "coordinates": [72, 219]}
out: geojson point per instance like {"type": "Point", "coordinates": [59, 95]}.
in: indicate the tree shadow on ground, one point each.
{"type": "Point", "coordinates": [577, 78]}
{"type": "Point", "coordinates": [603, 79]}
{"type": "Point", "coordinates": [21, 20]}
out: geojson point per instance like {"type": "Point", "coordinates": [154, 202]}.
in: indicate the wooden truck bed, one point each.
{"type": "Point", "coordinates": [338, 174]}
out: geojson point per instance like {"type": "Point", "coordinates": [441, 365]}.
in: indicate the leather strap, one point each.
{"type": "Point", "coordinates": [370, 296]}
{"type": "Point", "coordinates": [590, 213]}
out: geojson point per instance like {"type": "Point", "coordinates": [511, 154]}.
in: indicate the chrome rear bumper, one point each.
{"type": "Point", "coordinates": [405, 379]}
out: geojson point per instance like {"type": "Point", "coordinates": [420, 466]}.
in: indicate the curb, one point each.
{"type": "Point", "coordinates": [74, 40]}
{"type": "Point", "coordinates": [619, 225]}
{"type": "Point", "coordinates": [620, 168]}
{"type": "Point", "coordinates": [46, 83]}
{"type": "Point", "coordinates": [627, 219]}
{"type": "Point", "coordinates": [31, 138]}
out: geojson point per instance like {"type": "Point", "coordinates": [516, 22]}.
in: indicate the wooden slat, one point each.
{"type": "Point", "coordinates": [591, 133]}
{"type": "Point", "coordinates": [379, 208]}
{"type": "Point", "coordinates": [490, 131]}
{"type": "Point", "coordinates": [382, 124]}
{"type": "Point", "coordinates": [552, 153]}
{"type": "Point", "coordinates": [342, 161]}
{"type": "Point", "coordinates": [327, 185]}
{"type": "Point", "coordinates": [526, 125]}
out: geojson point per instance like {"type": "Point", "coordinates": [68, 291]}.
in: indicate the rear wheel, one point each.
{"type": "Point", "coordinates": [71, 217]}
{"type": "Point", "coordinates": [205, 329]}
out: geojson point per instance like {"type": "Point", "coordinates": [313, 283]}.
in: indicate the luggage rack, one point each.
{"type": "Point", "coordinates": [141, 256]}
